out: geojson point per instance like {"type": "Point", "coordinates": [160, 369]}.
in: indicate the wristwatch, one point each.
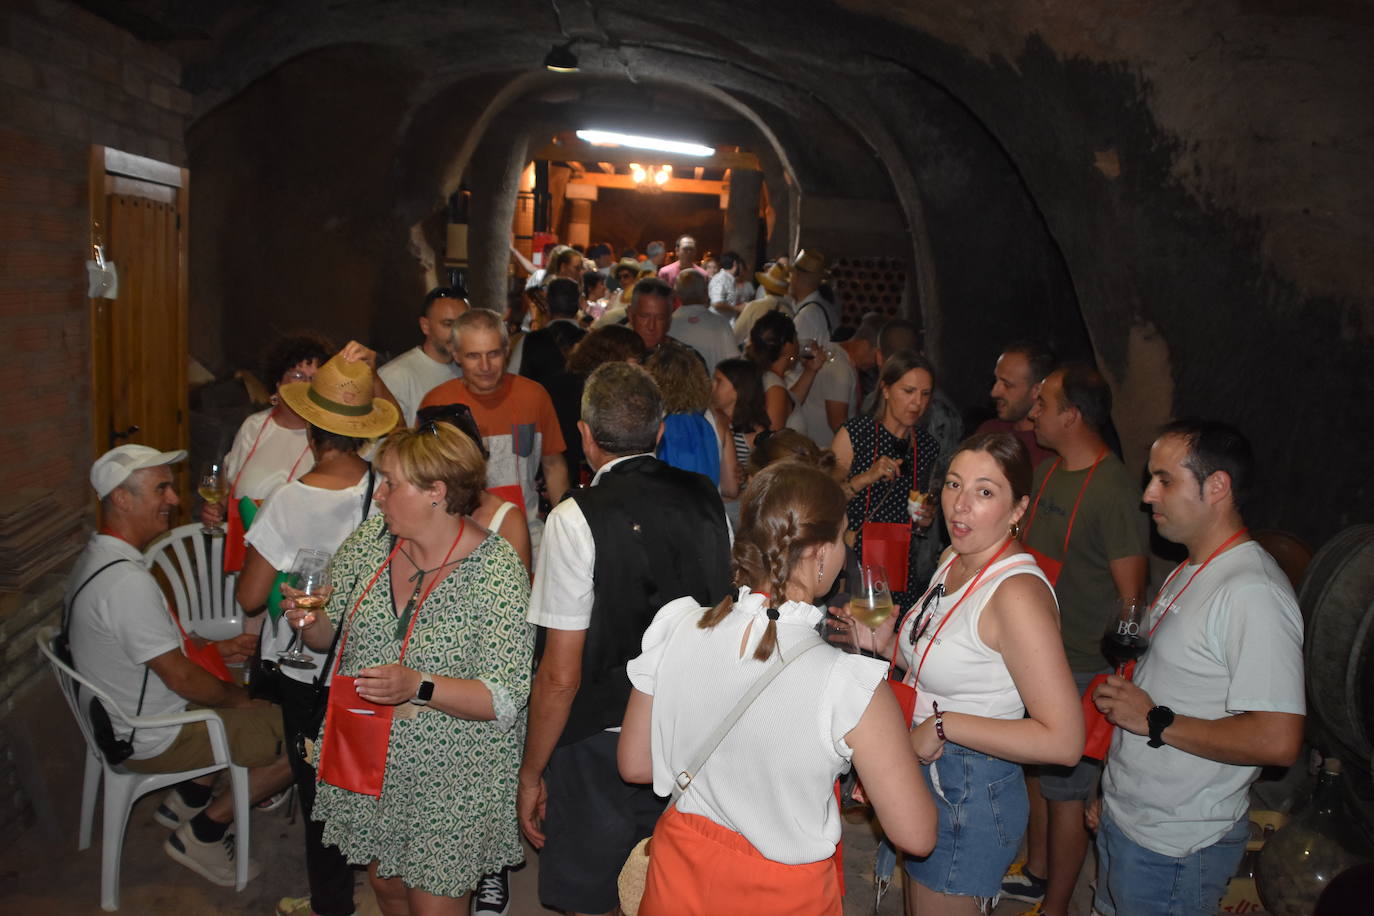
{"type": "Point", "coordinates": [425, 691]}
{"type": "Point", "coordinates": [1158, 718]}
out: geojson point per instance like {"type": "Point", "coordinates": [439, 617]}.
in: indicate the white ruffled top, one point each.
{"type": "Point", "coordinates": [772, 777]}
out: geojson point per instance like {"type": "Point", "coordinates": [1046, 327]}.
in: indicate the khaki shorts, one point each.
{"type": "Point", "coordinates": [255, 740]}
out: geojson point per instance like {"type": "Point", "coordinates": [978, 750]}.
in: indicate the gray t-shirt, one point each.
{"type": "Point", "coordinates": [1231, 644]}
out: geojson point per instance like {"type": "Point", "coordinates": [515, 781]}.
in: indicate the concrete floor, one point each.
{"type": "Point", "coordinates": [43, 874]}
{"type": "Point", "coordinates": [43, 877]}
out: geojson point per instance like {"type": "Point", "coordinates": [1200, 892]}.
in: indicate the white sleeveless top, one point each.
{"type": "Point", "coordinates": [961, 673]}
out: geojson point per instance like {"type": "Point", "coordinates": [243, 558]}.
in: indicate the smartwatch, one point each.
{"type": "Point", "coordinates": [425, 692]}
{"type": "Point", "coordinates": [1158, 718]}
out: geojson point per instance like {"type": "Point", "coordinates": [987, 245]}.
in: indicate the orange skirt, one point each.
{"type": "Point", "coordinates": [699, 868]}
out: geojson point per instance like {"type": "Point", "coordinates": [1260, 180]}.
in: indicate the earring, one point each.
{"type": "Point", "coordinates": [435, 503]}
{"type": "Point", "coordinates": [1016, 529]}
{"type": "Point", "coordinates": [820, 570]}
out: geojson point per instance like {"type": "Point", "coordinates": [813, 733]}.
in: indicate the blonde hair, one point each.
{"type": "Point", "coordinates": [787, 508]}
{"type": "Point", "coordinates": [682, 377]}
{"type": "Point", "coordinates": [438, 452]}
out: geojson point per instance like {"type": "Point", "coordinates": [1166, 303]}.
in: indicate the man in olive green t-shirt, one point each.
{"type": "Point", "coordinates": [1086, 516]}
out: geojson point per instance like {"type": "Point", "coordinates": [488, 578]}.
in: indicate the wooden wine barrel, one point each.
{"type": "Point", "coordinates": [1337, 599]}
{"type": "Point", "coordinates": [1288, 550]}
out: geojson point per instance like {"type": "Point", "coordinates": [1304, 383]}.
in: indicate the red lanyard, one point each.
{"type": "Point", "coordinates": [915, 468]}
{"type": "Point", "coordinates": [415, 613]}
{"type": "Point", "coordinates": [972, 587]}
{"type": "Point", "coordinates": [1174, 600]}
{"type": "Point", "coordinates": [1081, 490]}
{"type": "Point", "coordinates": [234, 487]}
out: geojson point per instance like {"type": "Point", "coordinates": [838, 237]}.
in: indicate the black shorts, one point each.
{"type": "Point", "coordinates": [592, 821]}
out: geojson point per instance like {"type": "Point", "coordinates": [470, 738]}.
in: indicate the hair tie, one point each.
{"type": "Point", "coordinates": [772, 613]}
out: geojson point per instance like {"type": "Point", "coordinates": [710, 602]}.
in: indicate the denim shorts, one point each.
{"type": "Point", "coordinates": [1078, 782]}
{"type": "Point", "coordinates": [1135, 881]}
{"type": "Point", "coordinates": [982, 806]}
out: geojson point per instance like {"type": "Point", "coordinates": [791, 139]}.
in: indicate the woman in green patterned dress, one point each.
{"type": "Point", "coordinates": [446, 812]}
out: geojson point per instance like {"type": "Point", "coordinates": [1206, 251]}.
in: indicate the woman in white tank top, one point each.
{"type": "Point", "coordinates": [993, 688]}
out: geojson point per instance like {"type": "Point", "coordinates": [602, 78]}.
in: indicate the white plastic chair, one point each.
{"type": "Point", "coordinates": [194, 566]}
{"type": "Point", "coordinates": [124, 787]}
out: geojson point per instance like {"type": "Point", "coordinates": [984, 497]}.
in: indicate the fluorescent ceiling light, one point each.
{"type": "Point", "coordinates": [611, 138]}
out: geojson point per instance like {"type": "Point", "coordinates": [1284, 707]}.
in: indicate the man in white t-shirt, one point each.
{"type": "Point", "coordinates": [697, 326]}
{"type": "Point", "coordinates": [123, 637]}
{"type": "Point", "coordinates": [1218, 695]}
{"type": "Point", "coordinates": [817, 317]}
{"type": "Point", "coordinates": [419, 370]}
{"type": "Point", "coordinates": [834, 395]}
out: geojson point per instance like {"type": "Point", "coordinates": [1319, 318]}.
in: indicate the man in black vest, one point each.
{"type": "Point", "coordinates": [642, 535]}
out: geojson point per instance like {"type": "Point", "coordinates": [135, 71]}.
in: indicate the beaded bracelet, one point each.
{"type": "Point", "coordinates": [939, 722]}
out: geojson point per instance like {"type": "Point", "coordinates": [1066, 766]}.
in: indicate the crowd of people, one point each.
{"type": "Point", "coordinates": [594, 559]}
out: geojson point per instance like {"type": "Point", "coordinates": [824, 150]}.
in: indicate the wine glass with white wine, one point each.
{"type": "Point", "coordinates": [212, 488]}
{"type": "Point", "coordinates": [870, 604]}
{"type": "Point", "coordinates": [309, 577]}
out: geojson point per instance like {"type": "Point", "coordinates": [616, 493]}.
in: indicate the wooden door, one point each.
{"type": "Point", "coordinates": [139, 338]}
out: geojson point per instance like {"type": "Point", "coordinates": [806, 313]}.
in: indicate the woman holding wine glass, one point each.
{"type": "Point", "coordinates": [311, 517]}
{"type": "Point", "coordinates": [271, 447]}
{"type": "Point", "coordinates": [993, 688]}
{"type": "Point", "coordinates": [880, 460]}
{"type": "Point", "coordinates": [760, 814]}
{"type": "Point", "coordinates": [424, 733]}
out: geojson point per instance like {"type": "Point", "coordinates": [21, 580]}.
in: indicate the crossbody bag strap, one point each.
{"type": "Point", "coordinates": [338, 631]}
{"type": "Point", "coordinates": [67, 611]}
{"type": "Point", "coordinates": [708, 747]}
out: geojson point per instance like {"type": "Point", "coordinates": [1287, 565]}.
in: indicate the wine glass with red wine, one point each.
{"type": "Point", "coordinates": [1128, 633]}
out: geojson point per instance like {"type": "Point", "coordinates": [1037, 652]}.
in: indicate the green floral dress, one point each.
{"type": "Point", "coordinates": [446, 815]}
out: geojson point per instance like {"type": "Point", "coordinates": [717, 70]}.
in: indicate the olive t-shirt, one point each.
{"type": "Point", "coordinates": [1110, 525]}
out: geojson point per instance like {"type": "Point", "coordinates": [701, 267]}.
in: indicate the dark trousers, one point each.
{"type": "Point", "coordinates": [329, 874]}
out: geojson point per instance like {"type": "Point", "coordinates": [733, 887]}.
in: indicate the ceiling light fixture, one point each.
{"type": "Point", "coordinates": [611, 138]}
{"type": "Point", "coordinates": [561, 59]}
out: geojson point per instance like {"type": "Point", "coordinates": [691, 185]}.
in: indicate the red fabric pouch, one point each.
{"type": "Point", "coordinates": [1096, 729]}
{"type": "Point", "coordinates": [357, 733]}
{"type": "Point", "coordinates": [1048, 565]}
{"type": "Point", "coordinates": [888, 544]}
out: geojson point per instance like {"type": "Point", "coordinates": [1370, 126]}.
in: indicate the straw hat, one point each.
{"type": "Point", "coordinates": [810, 260]}
{"type": "Point", "coordinates": [629, 264]}
{"type": "Point", "coordinates": [774, 279]}
{"type": "Point", "coordinates": [340, 400]}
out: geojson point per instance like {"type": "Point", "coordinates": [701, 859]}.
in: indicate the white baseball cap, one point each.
{"type": "Point", "coordinates": [114, 467]}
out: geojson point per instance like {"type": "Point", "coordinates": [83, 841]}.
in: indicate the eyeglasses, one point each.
{"type": "Point", "coordinates": [927, 613]}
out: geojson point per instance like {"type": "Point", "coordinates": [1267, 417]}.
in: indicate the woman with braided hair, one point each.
{"type": "Point", "coordinates": [760, 816]}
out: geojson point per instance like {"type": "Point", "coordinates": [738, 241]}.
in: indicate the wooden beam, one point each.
{"type": "Point", "coordinates": [578, 151]}
{"type": "Point", "coordinates": [677, 185]}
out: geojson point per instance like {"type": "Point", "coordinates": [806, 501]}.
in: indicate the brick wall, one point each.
{"type": "Point", "coordinates": [68, 80]}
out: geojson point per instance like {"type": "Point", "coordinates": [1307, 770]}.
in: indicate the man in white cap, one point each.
{"type": "Point", "coordinates": [124, 637]}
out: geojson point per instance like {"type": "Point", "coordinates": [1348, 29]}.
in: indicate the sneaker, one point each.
{"type": "Point", "coordinates": [273, 802]}
{"type": "Point", "coordinates": [1019, 884]}
{"type": "Point", "coordinates": [212, 861]}
{"type": "Point", "coordinates": [297, 906]}
{"type": "Point", "coordinates": [492, 896]}
{"type": "Point", "coordinates": [173, 811]}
